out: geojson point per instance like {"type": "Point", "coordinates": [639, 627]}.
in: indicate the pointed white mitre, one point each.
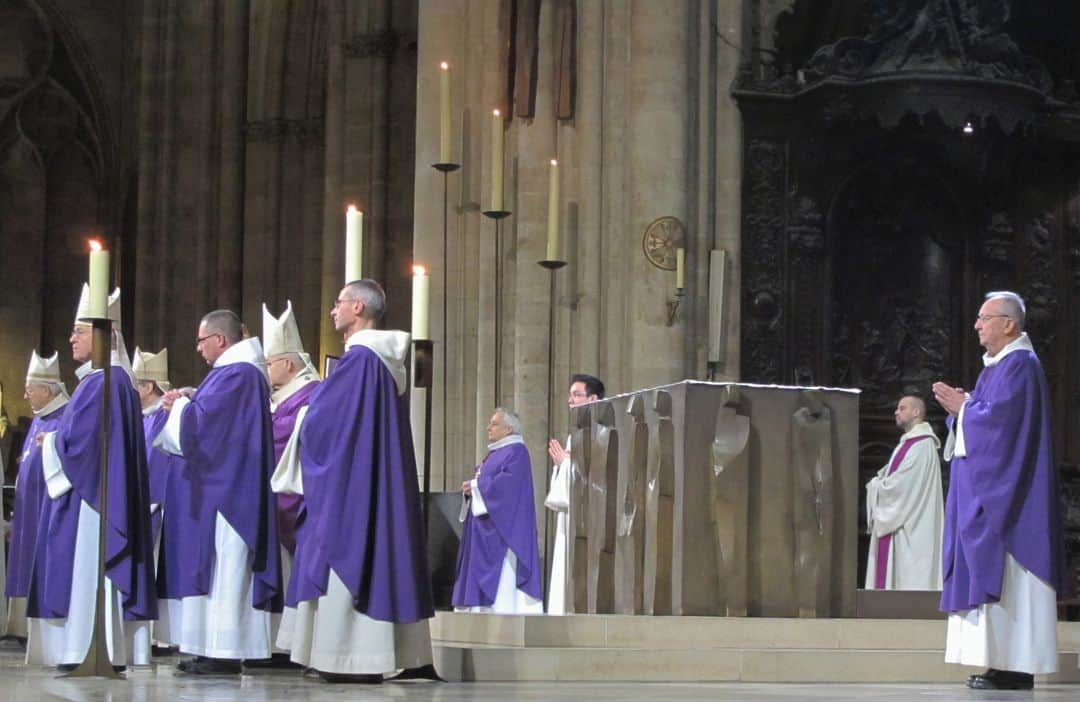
{"type": "Point", "coordinates": [152, 367]}
{"type": "Point", "coordinates": [43, 370]}
{"type": "Point", "coordinates": [83, 310]}
{"type": "Point", "coordinates": [280, 334]}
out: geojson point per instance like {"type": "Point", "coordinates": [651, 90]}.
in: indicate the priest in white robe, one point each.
{"type": "Point", "coordinates": [904, 508]}
{"type": "Point", "coordinates": [583, 389]}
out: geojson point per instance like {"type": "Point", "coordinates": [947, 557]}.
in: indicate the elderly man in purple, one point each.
{"type": "Point", "coordinates": [293, 379]}
{"type": "Point", "coordinates": [1003, 544]}
{"type": "Point", "coordinates": [360, 581]}
{"type": "Point", "coordinates": [498, 566]}
{"type": "Point", "coordinates": [48, 397]}
{"type": "Point", "coordinates": [223, 431]}
{"type": "Point", "coordinates": [63, 587]}
{"type": "Point", "coordinates": [152, 381]}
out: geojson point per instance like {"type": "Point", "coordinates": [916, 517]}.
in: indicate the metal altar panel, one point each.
{"type": "Point", "coordinates": [716, 499]}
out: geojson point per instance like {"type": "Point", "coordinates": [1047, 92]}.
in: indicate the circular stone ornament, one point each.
{"type": "Point", "coordinates": [662, 237]}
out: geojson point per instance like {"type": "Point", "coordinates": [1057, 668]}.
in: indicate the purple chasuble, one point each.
{"type": "Point", "coordinates": [506, 485]}
{"type": "Point", "coordinates": [171, 489]}
{"type": "Point", "coordinates": [1003, 496]}
{"type": "Point", "coordinates": [284, 419]}
{"type": "Point", "coordinates": [157, 467]}
{"type": "Point", "coordinates": [30, 499]}
{"type": "Point", "coordinates": [228, 446]}
{"type": "Point", "coordinates": [128, 546]}
{"type": "Point", "coordinates": [361, 513]}
{"type": "Point", "coordinates": [884, 542]}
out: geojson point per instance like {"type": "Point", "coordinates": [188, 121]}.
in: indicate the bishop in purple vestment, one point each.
{"type": "Point", "coordinates": [47, 397]}
{"type": "Point", "coordinates": [1003, 544]}
{"type": "Point", "coordinates": [359, 582]}
{"type": "Point", "coordinates": [499, 560]}
{"type": "Point", "coordinates": [223, 432]}
{"type": "Point", "coordinates": [63, 584]}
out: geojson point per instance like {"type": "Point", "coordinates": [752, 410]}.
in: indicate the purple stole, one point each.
{"type": "Point", "coordinates": [283, 419]}
{"type": "Point", "coordinates": [884, 542]}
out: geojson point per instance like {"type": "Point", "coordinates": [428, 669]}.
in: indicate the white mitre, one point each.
{"type": "Point", "coordinates": [43, 370]}
{"type": "Point", "coordinates": [152, 367]}
{"type": "Point", "coordinates": [82, 312]}
{"type": "Point", "coordinates": [281, 335]}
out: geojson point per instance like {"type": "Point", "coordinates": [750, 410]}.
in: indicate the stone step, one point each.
{"type": "Point", "coordinates": [706, 633]}
{"type": "Point", "coordinates": [475, 663]}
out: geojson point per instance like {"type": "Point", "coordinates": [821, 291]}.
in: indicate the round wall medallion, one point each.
{"type": "Point", "coordinates": [662, 237]}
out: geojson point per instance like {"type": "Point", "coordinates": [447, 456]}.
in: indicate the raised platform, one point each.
{"type": "Point", "coordinates": [598, 647]}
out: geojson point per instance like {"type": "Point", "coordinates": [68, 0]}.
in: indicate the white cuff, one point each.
{"type": "Point", "coordinates": [960, 446]}
{"type": "Point", "coordinates": [168, 439]}
{"type": "Point", "coordinates": [288, 477]}
{"type": "Point", "coordinates": [479, 509]}
{"type": "Point", "coordinates": [56, 482]}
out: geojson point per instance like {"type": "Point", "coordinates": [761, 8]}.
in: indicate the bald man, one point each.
{"type": "Point", "coordinates": [905, 509]}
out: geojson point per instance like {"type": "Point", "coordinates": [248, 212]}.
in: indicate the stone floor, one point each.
{"type": "Point", "coordinates": [158, 682]}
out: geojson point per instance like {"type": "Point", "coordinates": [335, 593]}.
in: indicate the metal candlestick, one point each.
{"type": "Point", "coordinates": [446, 169]}
{"type": "Point", "coordinates": [97, 661]}
{"type": "Point", "coordinates": [498, 216]}
{"type": "Point", "coordinates": [552, 267]}
{"type": "Point", "coordinates": [423, 377]}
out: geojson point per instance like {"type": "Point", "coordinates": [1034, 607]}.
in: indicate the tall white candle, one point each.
{"type": "Point", "coordinates": [680, 268]}
{"type": "Point", "coordinates": [496, 161]}
{"type": "Point", "coordinates": [553, 213]}
{"type": "Point", "coordinates": [354, 244]}
{"type": "Point", "coordinates": [420, 303]}
{"type": "Point", "coordinates": [444, 113]}
{"type": "Point", "coordinates": [99, 281]}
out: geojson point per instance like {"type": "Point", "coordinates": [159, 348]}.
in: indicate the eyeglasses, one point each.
{"type": "Point", "coordinates": [340, 301]}
{"type": "Point", "coordinates": [201, 339]}
{"type": "Point", "coordinates": [579, 394]}
{"type": "Point", "coordinates": [984, 318]}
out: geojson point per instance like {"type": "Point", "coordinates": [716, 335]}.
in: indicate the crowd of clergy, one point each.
{"type": "Point", "coordinates": [273, 517]}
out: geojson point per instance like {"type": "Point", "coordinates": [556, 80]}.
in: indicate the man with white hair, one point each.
{"type": "Point", "coordinates": [904, 508]}
{"type": "Point", "coordinates": [63, 587]}
{"type": "Point", "coordinates": [223, 432]}
{"type": "Point", "coordinates": [498, 567]}
{"type": "Point", "coordinates": [1003, 543]}
{"type": "Point", "coordinates": [47, 396]}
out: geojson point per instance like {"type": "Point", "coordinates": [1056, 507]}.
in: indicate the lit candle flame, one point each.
{"type": "Point", "coordinates": [352, 208]}
{"type": "Point", "coordinates": [554, 162]}
{"type": "Point", "coordinates": [445, 66]}
{"type": "Point", "coordinates": [419, 270]}
{"type": "Point", "coordinates": [496, 113]}
{"type": "Point", "coordinates": [95, 245]}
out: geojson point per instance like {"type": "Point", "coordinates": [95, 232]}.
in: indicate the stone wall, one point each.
{"type": "Point", "coordinates": [654, 133]}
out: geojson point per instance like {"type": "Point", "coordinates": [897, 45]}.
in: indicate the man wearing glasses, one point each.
{"type": "Point", "coordinates": [1003, 544]}
{"type": "Point", "coordinates": [223, 431]}
{"type": "Point", "coordinates": [583, 388]}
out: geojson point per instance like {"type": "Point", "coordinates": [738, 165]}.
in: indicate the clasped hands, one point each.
{"type": "Point", "coordinates": [172, 396]}
{"type": "Point", "coordinates": [952, 399]}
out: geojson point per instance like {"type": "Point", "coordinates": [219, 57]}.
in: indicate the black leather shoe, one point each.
{"type": "Point", "coordinates": [994, 679]}
{"type": "Point", "coordinates": [357, 679]}
{"type": "Point", "coordinates": [423, 672]}
{"type": "Point", "coordinates": [67, 667]}
{"type": "Point", "coordinates": [202, 665]}
{"type": "Point", "coordinates": [277, 661]}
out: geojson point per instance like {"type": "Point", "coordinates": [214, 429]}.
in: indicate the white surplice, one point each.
{"type": "Point", "coordinates": [558, 501]}
{"type": "Point", "coordinates": [327, 633]}
{"type": "Point", "coordinates": [1018, 632]}
{"type": "Point", "coordinates": [223, 623]}
{"type": "Point", "coordinates": [908, 504]}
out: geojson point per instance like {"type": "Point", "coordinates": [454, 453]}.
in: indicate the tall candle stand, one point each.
{"type": "Point", "coordinates": [423, 377]}
{"type": "Point", "coordinates": [97, 663]}
{"type": "Point", "coordinates": [446, 169]}
{"type": "Point", "coordinates": [552, 267]}
{"type": "Point", "coordinates": [498, 216]}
